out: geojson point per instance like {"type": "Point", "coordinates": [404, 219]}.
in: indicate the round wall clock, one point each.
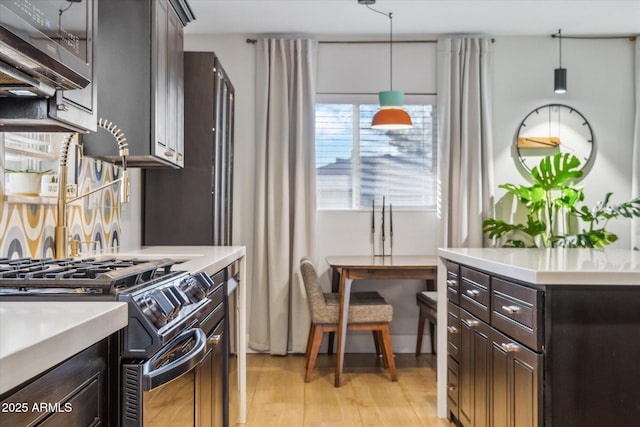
{"type": "Point", "coordinates": [552, 128]}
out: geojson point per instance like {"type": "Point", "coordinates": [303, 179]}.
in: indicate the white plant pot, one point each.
{"type": "Point", "coordinates": [24, 183]}
{"type": "Point", "coordinates": [49, 186]}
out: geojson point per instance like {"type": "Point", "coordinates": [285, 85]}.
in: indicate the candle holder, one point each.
{"type": "Point", "coordinates": [380, 240]}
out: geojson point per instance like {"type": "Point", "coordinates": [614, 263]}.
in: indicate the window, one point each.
{"type": "Point", "coordinates": [356, 164]}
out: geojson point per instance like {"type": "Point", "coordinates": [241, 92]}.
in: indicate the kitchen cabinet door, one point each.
{"type": "Point", "coordinates": [73, 393]}
{"type": "Point", "coordinates": [141, 81]}
{"type": "Point", "coordinates": [474, 371]}
{"type": "Point", "coordinates": [516, 379]}
{"type": "Point", "coordinates": [169, 105]}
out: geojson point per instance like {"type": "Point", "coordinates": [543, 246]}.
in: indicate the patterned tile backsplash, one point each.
{"type": "Point", "coordinates": [27, 230]}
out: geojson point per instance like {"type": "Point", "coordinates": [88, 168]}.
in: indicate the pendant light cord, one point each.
{"type": "Point", "coordinates": [560, 45]}
{"type": "Point", "coordinates": [390, 16]}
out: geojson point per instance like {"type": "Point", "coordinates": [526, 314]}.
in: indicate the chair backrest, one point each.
{"type": "Point", "coordinates": [315, 296]}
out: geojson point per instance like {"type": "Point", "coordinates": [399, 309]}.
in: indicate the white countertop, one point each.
{"type": "Point", "coordinates": [553, 266]}
{"type": "Point", "coordinates": [35, 336]}
{"type": "Point", "coordinates": [196, 259]}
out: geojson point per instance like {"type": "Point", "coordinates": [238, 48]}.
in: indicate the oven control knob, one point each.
{"type": "Point", "coordinates": [193, 289]}
{"type": "Point", "coordinates": [151, 310]}
{"type": "Point", "coordinates": [181, 297]}
{"type": "Point", "coordinates": [167, 307]}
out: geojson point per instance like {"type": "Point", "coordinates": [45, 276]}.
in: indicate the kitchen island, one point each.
{"type": "Point", "coordinates": [539, 336]}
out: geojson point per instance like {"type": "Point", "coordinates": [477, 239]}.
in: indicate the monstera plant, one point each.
{"type": "Point", "coordinates": [555, 215]}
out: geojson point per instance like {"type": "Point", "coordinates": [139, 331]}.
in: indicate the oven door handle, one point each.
{"type": "Point", "coordinates": [154, 378]}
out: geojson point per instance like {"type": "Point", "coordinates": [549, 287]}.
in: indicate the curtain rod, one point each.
{"type": "Point", "coordinates": [630, 37]}
{"type": "Point", "coordinates": [375, 94]}
{"type": "Point", "coordinates": [254, 41]}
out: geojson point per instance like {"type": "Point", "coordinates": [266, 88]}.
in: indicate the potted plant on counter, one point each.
{"type": "Point", "coordinates": [555, 216]}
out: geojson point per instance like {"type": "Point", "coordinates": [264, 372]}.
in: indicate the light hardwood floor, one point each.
{"type": "Point", "coordinates": [278, 396]}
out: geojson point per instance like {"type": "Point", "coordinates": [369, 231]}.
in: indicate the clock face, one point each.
{"type": "Point", "coordinates": [554, 128]}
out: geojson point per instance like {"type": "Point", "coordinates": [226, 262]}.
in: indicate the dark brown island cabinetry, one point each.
{"type": "Point", "coordinates": [522, 355]}
{"type": "Point", "coordinates": [73, 393]}
{"type": "Point", "coordinates": [200, 194]}
{"type": "Point", "coordinates": [141, 81]}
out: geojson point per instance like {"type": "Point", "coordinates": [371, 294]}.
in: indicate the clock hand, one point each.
{"type": "Point", "coordinates": [551, 141]}
{"type": "Point", "coordinates": [537, 141]}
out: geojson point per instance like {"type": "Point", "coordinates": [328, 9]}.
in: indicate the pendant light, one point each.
{"type": "Point", "coordinates": [560, 74]}
{"type": "Point", "coordinates": [391, 114]}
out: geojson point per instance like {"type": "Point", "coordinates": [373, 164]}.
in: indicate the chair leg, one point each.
{"type": "Point", "coordinates": [332, 338]}
{"type": "Point", "coordinates": [421, 320]}
{"type": "Point", "coordinates": [309, 336]}
{"type": "Point", "coordinates": [376, 342]}
{"type": "Point", "coordinates": [312, 331]}
{"type": "Point", "coordinates": [432, 329]}
{"type": "Point", "coordinates": [313, 351]}
{"type": "Point", "coordinates": [388, 351]}
{"type": "Point", "coordinates": [377, 334]}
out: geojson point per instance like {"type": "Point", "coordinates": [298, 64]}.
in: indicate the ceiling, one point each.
{"type": "Point", "coordinates": [334, 18]}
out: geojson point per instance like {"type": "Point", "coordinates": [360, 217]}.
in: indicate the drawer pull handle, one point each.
{"type": "Point", "coordinates": [452, 387]}
{"type": "Point", "coordinates": [452, 329]}
{"type": "Point", "coordinates": [511, 309]}
{"type": "Point", "coordinates": [473, 293]}
{"type": "Point", "coordinates": [471, 323]}
{"type": "Point", "coordinates": [214, 340]}
{"type": "Point", "coordinates": [452, 283]}
{"type": "Point", "coordinates": [510, 347]}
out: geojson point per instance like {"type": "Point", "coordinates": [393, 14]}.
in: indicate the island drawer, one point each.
{"type": "Point", "coordinates": [453, 330]}
{"type": "Point", "coordinates": [453, 271]}
{"type": "Point", "coordinates": [474, 293]}
{"type": "Point", "coordinates": [453, 393]}
{"type": "Point", "coordinates": [516, 310]}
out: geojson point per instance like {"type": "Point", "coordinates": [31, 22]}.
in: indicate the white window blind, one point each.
{"type": "Point", "coordinates": [356, 164]}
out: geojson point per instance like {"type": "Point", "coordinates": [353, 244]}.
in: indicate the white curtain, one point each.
{"type": "Point", "coordinates": [465, 162]}
{"type": "Point", "coordinates": [635, 167]}
{"type": "Point", "coordinates": [285, 215]}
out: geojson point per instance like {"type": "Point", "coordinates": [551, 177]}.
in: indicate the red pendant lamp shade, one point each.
{"type": "Point", "coordinates": [391, 114]}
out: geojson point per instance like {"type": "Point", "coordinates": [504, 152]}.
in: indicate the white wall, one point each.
{"type": "Point", "coordinates": [600, 86]}
{"type": "Point", "coordinates": [600, 79]}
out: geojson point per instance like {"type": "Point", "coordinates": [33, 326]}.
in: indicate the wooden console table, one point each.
{"type": "Point", "coordinates": [346, 269]}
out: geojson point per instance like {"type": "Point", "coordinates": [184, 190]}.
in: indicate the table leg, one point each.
{"type": "Point", "coordinates": [335, 287]}
{"type": "Point", "coordinates": [345, 294]}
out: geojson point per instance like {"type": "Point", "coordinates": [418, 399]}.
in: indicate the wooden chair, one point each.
{"type": "Point", "coordinates": [367, 311]}
{"type": "Point", "coordinates": [428, 303]}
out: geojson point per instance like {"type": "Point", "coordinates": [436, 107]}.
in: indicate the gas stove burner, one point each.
{"type": "Point", "coordinates": [110, 275]}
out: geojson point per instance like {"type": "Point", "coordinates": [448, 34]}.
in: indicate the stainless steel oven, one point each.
{"type": "Point", "coordinates": [183, 383]}
{"type": "Point", "coordinates": [176, 387]}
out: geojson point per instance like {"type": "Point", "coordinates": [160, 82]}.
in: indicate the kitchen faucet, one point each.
{"type": "Point", "coordinates": [61, 230]}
